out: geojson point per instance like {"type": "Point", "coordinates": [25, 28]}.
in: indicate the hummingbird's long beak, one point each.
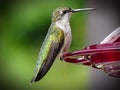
{"type": "Point", "coordinates": [83, 9]}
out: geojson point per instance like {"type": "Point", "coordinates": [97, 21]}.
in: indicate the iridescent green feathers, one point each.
{"type": "Point", "coordinates": [48, 52]}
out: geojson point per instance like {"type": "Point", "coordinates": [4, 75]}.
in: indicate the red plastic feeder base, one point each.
{"type": "Point", "coordinates": [100, 56]}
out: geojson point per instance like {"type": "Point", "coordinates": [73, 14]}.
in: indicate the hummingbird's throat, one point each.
{"type": "Point", "coordinates": [65, 18]}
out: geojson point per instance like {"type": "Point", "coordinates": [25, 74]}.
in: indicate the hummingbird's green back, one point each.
{"type": "Point", "coordinates": [48, 52]}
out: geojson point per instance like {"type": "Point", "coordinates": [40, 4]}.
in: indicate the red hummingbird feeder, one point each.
{"type": "Point", "coordinates": [104, 56]}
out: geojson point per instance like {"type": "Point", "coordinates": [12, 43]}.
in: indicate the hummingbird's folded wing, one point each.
{"type": "Point", "coordinates": [48, 52]}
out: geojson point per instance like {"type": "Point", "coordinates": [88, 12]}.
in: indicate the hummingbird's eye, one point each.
{"type": "Point", "coordinates": [64, 12]}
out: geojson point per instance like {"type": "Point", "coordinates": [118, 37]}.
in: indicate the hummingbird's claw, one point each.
{"type": "Point", "coordinates": [61, 59]}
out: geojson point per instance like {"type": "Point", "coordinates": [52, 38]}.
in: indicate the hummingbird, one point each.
{"type": "Point", "coordinates": [57, 41]}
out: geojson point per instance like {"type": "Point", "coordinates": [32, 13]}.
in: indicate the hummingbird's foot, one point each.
{"type": "Point", "coordinates": [61, 57]}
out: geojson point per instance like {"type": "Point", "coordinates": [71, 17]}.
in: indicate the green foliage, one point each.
{"type": "Point", "coordinates": [23, 26]}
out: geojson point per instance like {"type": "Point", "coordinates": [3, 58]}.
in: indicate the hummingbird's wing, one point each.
{"type": "Point", "coordinates": [48, 52]}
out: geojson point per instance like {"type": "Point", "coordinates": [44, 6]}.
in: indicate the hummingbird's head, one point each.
{"type": "Point", "coordinates": [61, 13]}
{"type": "Point", "coordinates": [65, 13]}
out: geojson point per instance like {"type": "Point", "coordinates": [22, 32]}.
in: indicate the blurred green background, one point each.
{"type": "Point", "coordinates": [23, 26]}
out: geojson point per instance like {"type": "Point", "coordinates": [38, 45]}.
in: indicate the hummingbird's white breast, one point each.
{"type": "Point", "coordinates": [64, 25]}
